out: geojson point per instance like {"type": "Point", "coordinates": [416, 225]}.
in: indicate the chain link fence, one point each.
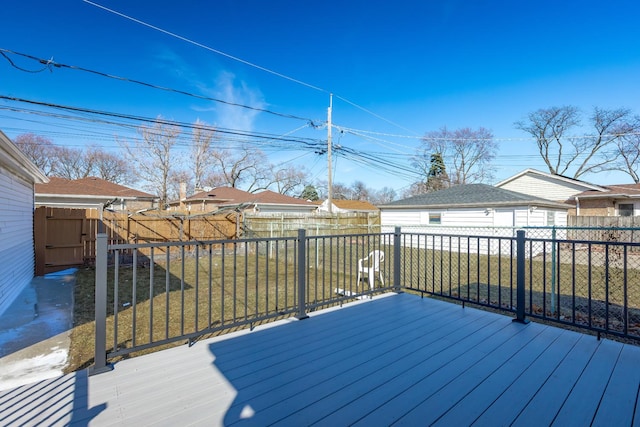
{"type": "Point", "coordinates": [581, 276]}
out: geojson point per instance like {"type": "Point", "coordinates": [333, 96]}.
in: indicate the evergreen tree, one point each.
{"type": "Point", "coordinates": [310, 193]}
{"type": "Point", "coordinates": [437, 179]}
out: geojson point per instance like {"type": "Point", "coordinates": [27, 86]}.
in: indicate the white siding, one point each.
{"type": "Point", "coordinates": [393, 217]}
{"type": "Point", "coordinates": [544, 187]}
{"type": "Point", "coordinates": [16, 236]}
{"type": "Point", "coordinates": [467, 218]}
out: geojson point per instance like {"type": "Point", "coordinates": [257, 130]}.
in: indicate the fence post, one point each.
{"type": "Point", "coordinates": [302, 271]}
{"type": "Point", "coordinates": [100, 357]}
{"type": "Point", "coordinates": [520, 278]}
{"type": "Point", "coordinates": [396, 259]}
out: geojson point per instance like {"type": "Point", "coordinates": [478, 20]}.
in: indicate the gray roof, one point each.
{"type": "Point", "coordinates": [472, 195]}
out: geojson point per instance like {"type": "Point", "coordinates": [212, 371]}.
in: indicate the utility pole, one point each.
{"type": "Point", "coordinates": [330, 183]}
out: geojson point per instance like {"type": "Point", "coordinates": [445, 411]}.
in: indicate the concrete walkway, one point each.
{"type": "Point", "coordinates": [35, 332]}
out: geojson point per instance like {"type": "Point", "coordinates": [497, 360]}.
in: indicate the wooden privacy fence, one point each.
{"type": "Point", "coordinates": [66, 238]}
{"type": "Point", "coordinates": [265, 225]}
{"type": "Point", "coordinates": [605, 228]}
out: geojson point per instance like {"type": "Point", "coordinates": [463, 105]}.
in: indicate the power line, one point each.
{"type": "Point", "coordinates": [243, 61]}
{"type": "Point", "coordinates": [51, 63]}
{"type": "Point", "coordinates": [219, 52]}
{"type": "Point", "coordinates": [46, 67]}
{"type": "Point", "coordinates": [360, 132]}
{"type": "Point", "coordinates": [263, 138]}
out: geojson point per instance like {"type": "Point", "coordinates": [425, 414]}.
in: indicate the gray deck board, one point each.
{"type": "Point", "coordinates": [514, 398]}
{"type": "Point", "coordinates": [397, 359]}
{"type": "Point", "coordinates": [620, 397]}
{"type": "Point", "coordinates": [583, 400]}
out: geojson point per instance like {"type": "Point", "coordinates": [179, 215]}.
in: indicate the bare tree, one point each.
{"type": "Point", "coordinates": [549, 127]}
{"type": "Point", "coordinates": [39, 150]}
{"type": "Point", "coordinates": [71, 163]}
{"type": "Point", "coordinates": [341, 191]}
{"type": "Point", "coordinates": [110, 167]}
{"type": "Point", "coordinates": [359, 191]}
{"type": "Point", "coordinates": [467, 154]}
{"type": "Point", "coordinates": [384, 195]}
{"type": "Point", "coordinates": [416, 189]}
{"type": "Point", "coordinates": [201, 155]}
{"type": "Point", "coordinates": [628, 149]}
{"type": "Point", "coordinates": [152, 155]}
{"type": "Point", "coordinates": [247, 167]}
{"type": "Point", "coordinates": [562, 152]}
{"type": "Point", "coordinates": [289, 180]}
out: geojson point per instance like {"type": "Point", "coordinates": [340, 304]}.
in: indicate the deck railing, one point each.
{"type": "Point", "coordinates": [154, 294]}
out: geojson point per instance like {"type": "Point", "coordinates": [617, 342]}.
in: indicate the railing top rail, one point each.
{"type": "Point", "coordinates": [117, 246]}
{"type": "Point", "coordinates": [583, 242]}
{"type": "Point", "coordinates": [571, 227]}
{"type": "Point", "coordinates": [326, 236]}
{"type": "Point", "coordinates": [463, 235]}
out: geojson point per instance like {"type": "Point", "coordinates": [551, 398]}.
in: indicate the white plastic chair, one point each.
{"type": "Point", "coordinates": [370, 266]}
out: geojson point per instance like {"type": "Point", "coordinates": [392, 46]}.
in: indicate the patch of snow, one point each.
{"type": "Point", "coordinates": [34, 369]}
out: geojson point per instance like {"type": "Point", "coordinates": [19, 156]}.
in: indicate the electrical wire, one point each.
{"type": "Point", "coordinates": [245, 62]}
{"type": "Point", "coordinates": [219, 52]}
{"type": "Point", "coordinates": [51, 63]}
{"type": "Point", "coordinates": [46, 67]}
{"type": "Point", "coordinates": [227, 138]}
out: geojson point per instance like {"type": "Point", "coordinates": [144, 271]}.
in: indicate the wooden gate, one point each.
{"type": "Point", "coordinates": [61, 236]}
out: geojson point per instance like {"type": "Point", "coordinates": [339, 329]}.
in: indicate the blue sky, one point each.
{"type": "Point", "coordinates": [408, 66]}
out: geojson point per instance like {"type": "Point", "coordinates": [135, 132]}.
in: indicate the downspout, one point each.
{"type": "Point", "coordinates": [577, 206]}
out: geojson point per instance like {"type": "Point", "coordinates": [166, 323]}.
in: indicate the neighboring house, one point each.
{"type": "Point", "coordinates": [92, 193]}
{"type": "Point", "coordinates": [547, 186]}
{"type": "Point", "coordinates": [473, 205]}
{"type": "Point", "coordinates": [585, 199]}
{"type": "Point", "coordinates": [18, 175]}
{"type": "Point", "coordinates": [229, 198]}
{"type": "Point", "coordinates": [612, 200]}
{"type": "Point", "coordinates": [340, 206]}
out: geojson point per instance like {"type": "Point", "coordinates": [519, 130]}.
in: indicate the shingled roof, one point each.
{"type": "Point", "coordinates": [90, 186]}
{"type": "Point", "coordinates": [615, 191]}
{"type": "Point", "coordinates": [354, 205]}
{"type": "Point", "coordinates": [471, 195]}
{"type": "Point", "coordinates": [225, 196]}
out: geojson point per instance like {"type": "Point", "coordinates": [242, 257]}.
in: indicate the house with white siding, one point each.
{"type": "Point", "coordinates": [343, 206]}
{"type": "Point", "coordinates": [548, 186]}
{"type": "Point", "coordinates": [586, 199]}
{"type": "Point", "coordinates": [18, 176]}
{"type": "Point", "coordinates": [472, 210]}
{"type": "Point", "coordinates": [463, 208]}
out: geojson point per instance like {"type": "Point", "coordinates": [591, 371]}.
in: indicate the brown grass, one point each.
{"type": "Point", "coordinates": [228, 288]}
{"type": "Point", "coordinates": [259, 280]}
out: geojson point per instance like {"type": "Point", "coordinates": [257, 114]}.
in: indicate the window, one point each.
{"type": "Point", "coordinates": [435, 218]}
{"type": "Point", "coordinates": [551, 218]}
{"type": "Point", "coordinates": [625, 209]}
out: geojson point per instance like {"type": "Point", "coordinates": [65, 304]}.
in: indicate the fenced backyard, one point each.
{"type": "Point", "coordinates": [154, 294]}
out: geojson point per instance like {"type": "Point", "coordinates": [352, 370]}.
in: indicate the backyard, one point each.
{"type": "Point", "coordinates": [168, 295]}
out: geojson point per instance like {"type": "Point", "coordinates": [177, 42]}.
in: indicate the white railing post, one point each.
{"type": "Point", "coordinates": [100, 357]}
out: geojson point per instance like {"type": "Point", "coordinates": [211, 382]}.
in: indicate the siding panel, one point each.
{"type": "Point", "coordinates": [543, 187]}
{"type": "Point", "coordinates": [16, 236]}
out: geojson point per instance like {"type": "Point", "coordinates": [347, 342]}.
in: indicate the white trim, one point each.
{"type": "Point", "coordinates": [17, 162]}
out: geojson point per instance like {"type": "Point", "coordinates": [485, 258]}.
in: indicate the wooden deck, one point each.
{"type": "Point", "coordinates": [397, 359]}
